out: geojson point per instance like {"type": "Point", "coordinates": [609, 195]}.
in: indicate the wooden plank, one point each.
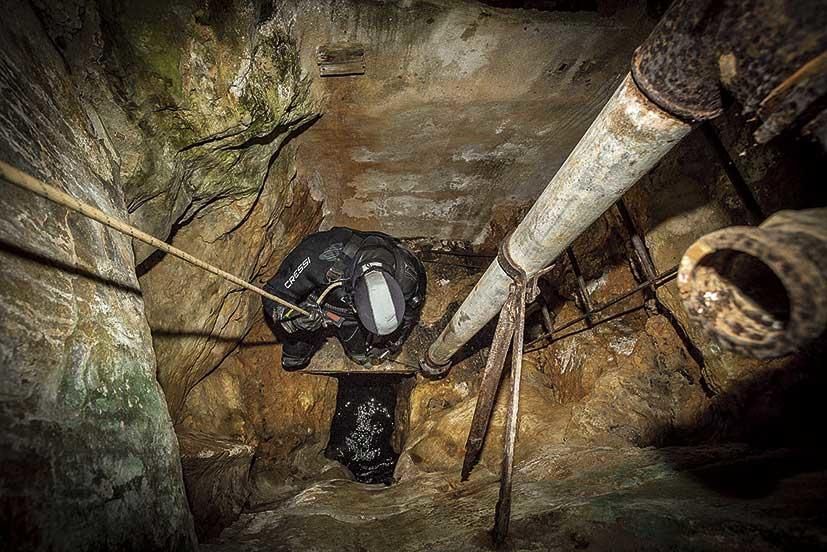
{"type": "Point", "coordinates": [341, 59]}
{"type": "Point", "coordinates": [387, 368]}
{"type": "Point", "coordinates": [330, 360]}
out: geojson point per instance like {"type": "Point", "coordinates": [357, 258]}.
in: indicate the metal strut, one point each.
{"type": "Point", "coordinates": [510, 331]}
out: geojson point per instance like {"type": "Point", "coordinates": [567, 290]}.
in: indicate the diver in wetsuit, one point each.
{"type": "Point", "coordinates": [367, 290]}
{"type": "Point", "coordinates": [363, 287]}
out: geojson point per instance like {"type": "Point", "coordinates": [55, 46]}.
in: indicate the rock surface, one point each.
{"type": "Point", "coordinates": [586, 475]}
{"type": "Point", "coordinates": [183, 117]}
{"type": "Point", "coordinates": [595, 498]}
{"type": "Point", "coordinates": [88, 453]}
{"type": "Point", "coordinates": [465, 110]}
{"type": "Point", "coordinates": [249, 409]}
{"type": "Point", "coordinates": [197, 105]}
{"type": "Point", "coordinates": [215, 94]}
{"type": "Point", "coordinates": [689, 194]}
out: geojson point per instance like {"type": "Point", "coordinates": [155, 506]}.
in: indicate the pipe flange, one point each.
{"type": "Point", "coordinates": [431, 369]}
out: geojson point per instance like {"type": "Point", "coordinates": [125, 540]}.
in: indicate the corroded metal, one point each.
{"type": "Point", "coordinates": [432, 369]}
{"type": "Point", "coordinates": [643, 268]}
{"type": "Point", "coordinates": [510, 331]}
{"type": "Point", "coordinates": [789, 100]}
{"type": "Point", "coordinates": [760, 291]}
{"type": "Point", "coordinates": [674, 68]}
{"type": "Point", "coordinates": [767, 54]}
{"type": "Point", "coordinates": [488, 386]}
{"type": "Point", "coordinates": [660, 280]}
{"type": "Point", "coordinates": [502, 515]}
{"type": "Point", "coordinates": [626, 139]}
{"type": "Point", "coordinates": [644, 261]}
{"type": "Point", "coordinates": [583, 294]}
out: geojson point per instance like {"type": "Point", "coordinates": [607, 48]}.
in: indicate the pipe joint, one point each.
{"type": "Point", "coordinates": [506, 261]}
{"type": "Point", "coordinates": [429, 368]}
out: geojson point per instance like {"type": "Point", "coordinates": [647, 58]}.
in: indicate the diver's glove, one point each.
{"type": "Point", "coordinates": [293, 321]}
{"type": "Point", "coordinates": [313, 321]}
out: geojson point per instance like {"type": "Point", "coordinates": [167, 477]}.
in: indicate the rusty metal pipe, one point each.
{"type": "Point", "coordinates": [762, 291]}
{"type": "Point", "coordinates": [626, 139]}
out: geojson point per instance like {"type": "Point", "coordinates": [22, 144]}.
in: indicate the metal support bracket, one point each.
{"type": "Point", "coordinates": [510, 332]}
{"type": "Point", "coordinates": [584, 297]}
{"type": "Point", "coordinates": [642, 266]}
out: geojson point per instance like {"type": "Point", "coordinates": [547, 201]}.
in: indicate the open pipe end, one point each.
{"type": "Point", "coordinates": [751, 293]}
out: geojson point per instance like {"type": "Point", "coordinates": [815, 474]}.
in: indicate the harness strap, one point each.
{"type": "Point", "coordinates": [339, 267]}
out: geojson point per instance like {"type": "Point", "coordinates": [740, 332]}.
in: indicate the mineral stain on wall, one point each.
{"type": "Point", "coordinates": [463, 107]}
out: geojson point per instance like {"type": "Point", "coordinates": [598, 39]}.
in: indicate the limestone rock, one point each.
{"type": "Point", "coordinates": [653, 392]}
{"type": "Point", "coordinates": [217, 477]}
{"type": "Point", "coordinates": [684, 197]}
{"type": "Point", "coordinates": [435, 440]}
{"type": "Point", "coordinates": [196, 105]}
{"type": "Point", "coordinates": [89, 457]}
{"type": "Point", "coordinates": [577, 497]}
{"type": "Point", "coordinates": [195, 326]}
{"type": "Point", "coordinates": [452, 124]}
{"type": "Point", "coordinates": [217, 95]}
{"type": "Point", "coordinates": [579, 356]}
{"type": "Point", "coordinates": [442, 292]}
{"type": "Point", "coordinates": [204, 97]}
{"type": "Point", "coordinates": [249, 408]}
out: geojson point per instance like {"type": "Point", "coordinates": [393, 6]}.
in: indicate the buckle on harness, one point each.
{"type": "Point", "coordinates": [337, 270]}
{"type": "Point", "coordinates": [334, 274]}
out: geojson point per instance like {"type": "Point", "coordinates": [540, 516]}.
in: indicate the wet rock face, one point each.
{"type": "Point", "coordinates": [689, 194]}
{"type": "Point", "coordinates": [197, 105]}
{"type": "Point", "coordinates": [209, 100]}
{"type": "Point", "coordinates": [184, 114]}
{"type": "Point", "coordinates": [245, 427]}
{"type": "Point", "coordinates": [453, 124]}
{"type": "Point", "coordinates": [573, 497]}
{"type": "Point", "coordinates": [198, 319]}
{"type": "Point", "coordinates": [89, 458]}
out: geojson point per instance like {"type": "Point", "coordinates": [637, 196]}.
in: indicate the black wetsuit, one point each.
{"type": "Point", "coordinates": [334, 255]}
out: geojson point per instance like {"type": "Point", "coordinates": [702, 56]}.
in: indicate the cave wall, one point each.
{"type": "Point", "coordinates": [88, 456]}
{"type": "Point", "coordinates": [242, 425]}
{"type": "Point", "coordinates": [200, 123]}
{"type": "Point", "coordinates": [185, 114]}
{"type": "Point", "coordinates": [198, 104]}
{"type": "Point", "coordinates": [464, 110]}
{"type": "Point", "coordinates": [206, 100]}
{"type": "Point", "coordinates": [202, 101]}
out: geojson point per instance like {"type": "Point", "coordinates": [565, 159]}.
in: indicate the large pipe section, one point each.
{"type": "Point", "coordinates": [626, 139]}
{"type": "Point", "coordinates": [768, 54]}
{"type": "Point", "coordinates": [760, 291]}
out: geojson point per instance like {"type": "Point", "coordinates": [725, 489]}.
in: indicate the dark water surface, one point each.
{"type": "Point", "coordinates": [362, 427]}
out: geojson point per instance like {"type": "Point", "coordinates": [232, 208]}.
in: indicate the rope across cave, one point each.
{"type": "Point", "coordinates": [40, 188]}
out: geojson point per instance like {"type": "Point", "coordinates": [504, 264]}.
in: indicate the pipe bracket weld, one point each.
{"type": "Point", "coordinates": [506, 261]}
